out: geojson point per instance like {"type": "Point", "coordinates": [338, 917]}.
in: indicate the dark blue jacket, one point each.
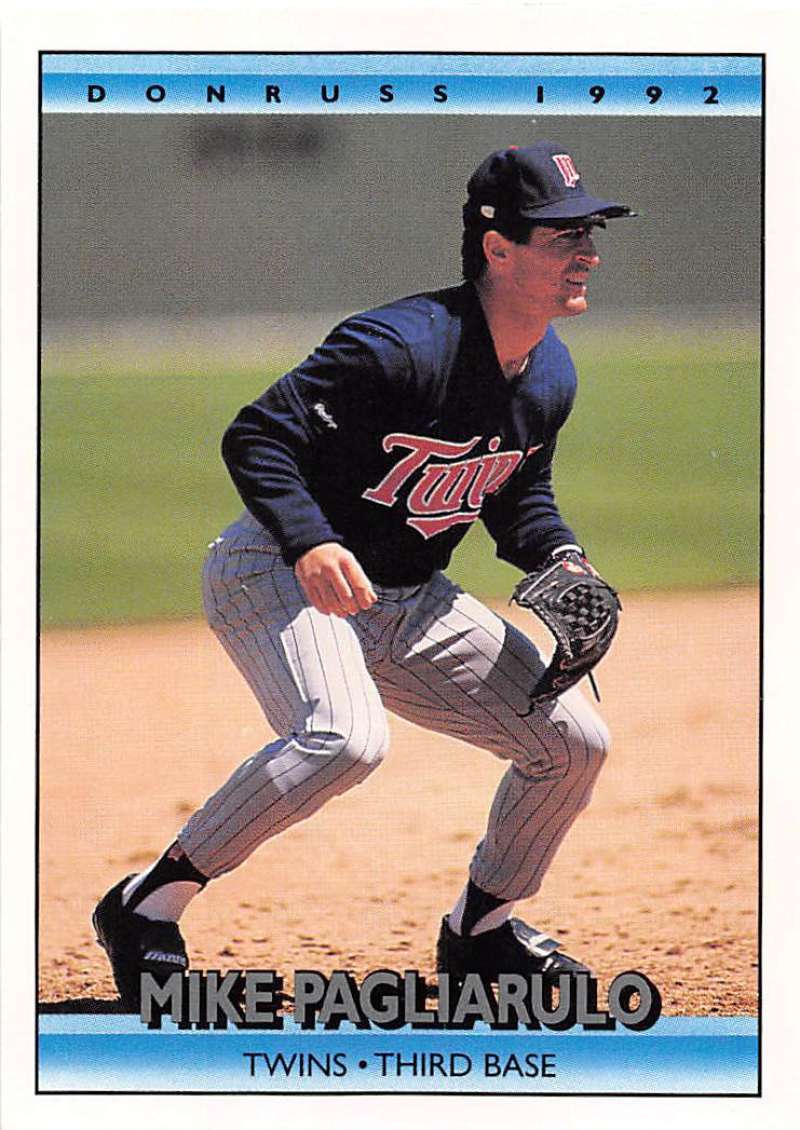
{"type": "Point", "coordinates": [398, 432]}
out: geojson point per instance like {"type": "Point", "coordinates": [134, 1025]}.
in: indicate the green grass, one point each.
{"type": "Point", "coordinates": [657, 472]}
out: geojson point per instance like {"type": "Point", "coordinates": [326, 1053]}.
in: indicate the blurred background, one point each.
{"type": "Point", "coordinates": [187, 261]}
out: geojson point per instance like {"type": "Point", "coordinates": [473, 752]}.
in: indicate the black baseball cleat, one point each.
{"type": "Point", "coordinates": [513, 947]}
{"type": "Point", "coordinates": [136, 945]}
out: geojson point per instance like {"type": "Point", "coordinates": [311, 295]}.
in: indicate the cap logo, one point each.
{"type": "Point", "coordinates": [487, 210]}
{"type": "Point", "coordinates": [566, 166]}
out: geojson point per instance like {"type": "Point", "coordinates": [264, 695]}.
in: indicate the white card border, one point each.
{"type": "Point", "coordinates": [499, 26]}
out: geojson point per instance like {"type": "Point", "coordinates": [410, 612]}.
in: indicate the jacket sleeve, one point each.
{"type": "Point", "coordinates": [267, 450]}
{"type": "Point", "coordinates": [271, 448]}
{"type": "Point", "coordinates": [523, 517]}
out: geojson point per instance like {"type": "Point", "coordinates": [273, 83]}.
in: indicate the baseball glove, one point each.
{"type": "Point", "coordinates": [579, 608]}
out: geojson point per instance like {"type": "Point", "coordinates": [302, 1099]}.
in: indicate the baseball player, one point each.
{"type": "Point", "coordinates": [361, 470]}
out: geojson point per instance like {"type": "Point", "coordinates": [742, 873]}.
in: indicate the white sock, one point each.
{"type": "Point", "coordinates": [493, 919]}
{"type": "Point", "coordinates": [489, 921]}
{"type": "Point", "coordinates": [166, 903]}
{"type": "Point", "coordinates": [456, 915]}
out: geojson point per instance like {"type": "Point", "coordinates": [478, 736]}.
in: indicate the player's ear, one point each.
{"type": "Point", "coordinates": [495, 248]}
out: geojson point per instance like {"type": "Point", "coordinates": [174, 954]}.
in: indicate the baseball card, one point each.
{"type": "Point", "coordinates": [399, 512]}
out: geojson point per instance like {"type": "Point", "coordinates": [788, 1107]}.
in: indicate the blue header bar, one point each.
{"type": "Point", "coordinates": [386, 83]}
{"type": "Point", "coordinates": [379, 63]}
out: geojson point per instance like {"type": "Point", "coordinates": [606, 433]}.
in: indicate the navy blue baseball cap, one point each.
{"type": "Point", "coordinates": [539, 183]}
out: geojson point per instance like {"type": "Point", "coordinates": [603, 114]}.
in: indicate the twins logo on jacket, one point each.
{"type": "Point", "coordinates": [444, 494]}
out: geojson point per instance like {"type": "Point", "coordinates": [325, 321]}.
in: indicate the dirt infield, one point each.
{"type": "Point", "coordinates": [139, 725]}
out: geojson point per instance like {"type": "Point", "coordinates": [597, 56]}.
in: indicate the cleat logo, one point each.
{"type": "Point", "coordinates": [167, 958]}
{"type": "Point", "coordinates": [444, 494]}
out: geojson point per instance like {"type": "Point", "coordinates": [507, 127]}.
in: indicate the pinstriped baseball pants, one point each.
{"type": "Point", "coordinates": [432, 654]}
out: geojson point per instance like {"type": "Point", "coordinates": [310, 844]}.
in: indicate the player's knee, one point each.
{"type": "Point", "coordinates": [589, 744]}
{"type": "Point", "coordinates": [577, 746]}
{"type": "Point", "coordinates": [365, 748]}
{"type": "Point", "coordinates": [602, 738]}
{"type": "Point", "coordinates": [356, 753]}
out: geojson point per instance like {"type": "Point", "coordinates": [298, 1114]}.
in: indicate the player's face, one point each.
{"type": "Point", "coordinates": [550, 272]}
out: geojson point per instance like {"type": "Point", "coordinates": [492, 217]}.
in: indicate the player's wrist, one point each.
{"type": "Point", "coordinates": [318, 547]}
{"type": "Point", "coordinates": [569, 547]}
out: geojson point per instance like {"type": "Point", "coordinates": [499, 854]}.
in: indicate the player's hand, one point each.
{"type": "Point", "coordinates": [333, 580]}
